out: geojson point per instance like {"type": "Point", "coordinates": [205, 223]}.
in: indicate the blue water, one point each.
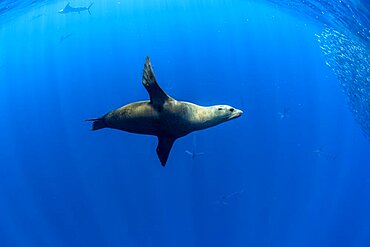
{"type": "Point", "coordinates": [292, 171]}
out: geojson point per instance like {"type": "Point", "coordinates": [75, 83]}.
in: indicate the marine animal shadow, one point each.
{"type": "Point", "coordinates": [323, 154]}
{"type": "Point", "coordinates": [68, 9]}
{"type": "Point", "coordinates": [64, 37]}
{"type": "Point", "coordinates": [284, 113]}
{"type": "Point", "coordinates": [163, 116]}
{"type": "Point", "coordinates": [194, 153]}
{"type": "Point", "coordinates": [225, 199]}
{"type": "Point", "coordinates": [37, 16]}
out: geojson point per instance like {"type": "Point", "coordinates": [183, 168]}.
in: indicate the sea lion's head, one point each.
{"type": "Point", "coordinates": [223, 113]}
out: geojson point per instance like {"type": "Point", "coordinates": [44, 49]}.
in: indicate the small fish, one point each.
{"type": "Point", "coordinates": [224, 199]}
{"type": "Point", "coordinates": [194, 152]}
{"type": "Point", "coordinates": [64, 37]}
{"type": "Point", "coordinates": [194, 155]}
{"type": "Point", "coordinates": [37, 16]}
{"type": "Point", "coordinates": [321, 154]}
{"type": "Point", "coordinates": [284, 113]}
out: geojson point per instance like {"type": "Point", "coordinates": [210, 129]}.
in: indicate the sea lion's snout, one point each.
{"type": "Point", "coordinates": [226, 112]}
{"type": "Point", "coordinates": [236, 113]}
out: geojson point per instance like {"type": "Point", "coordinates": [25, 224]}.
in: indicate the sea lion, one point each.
{"type": "Point", "coordinates": [163, 116]}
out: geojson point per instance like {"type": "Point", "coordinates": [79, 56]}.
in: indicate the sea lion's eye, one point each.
{"type": "Point", "coordinates": [232, 109]}
{"type": "Point", "coordinates": [220, 109]}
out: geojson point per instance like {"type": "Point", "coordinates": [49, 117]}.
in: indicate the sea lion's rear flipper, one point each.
{"type": "Point", "coordinates": [156, 94]}
{"type": "Point", "coordinates": [98, 123]}
{"type": "Point", "coordinates": [164, 148]}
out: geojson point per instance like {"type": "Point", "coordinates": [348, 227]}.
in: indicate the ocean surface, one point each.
{"type": "Point", "coordinates": [293, 171]}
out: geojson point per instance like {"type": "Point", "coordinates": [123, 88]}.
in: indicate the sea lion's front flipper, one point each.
{"type": "Point", "coordinates": [164, 148]}
{"type": "Point", "coordinates": [156, 94]}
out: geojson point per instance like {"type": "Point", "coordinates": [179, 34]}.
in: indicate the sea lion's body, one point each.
{"type": "Point", "coordinates": [176, 119]}
{"type": "Point", "coordinates": [163, 116]}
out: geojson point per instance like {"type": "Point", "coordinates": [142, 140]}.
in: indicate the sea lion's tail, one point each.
{"type": "Point", "coordinates": [98, 123]}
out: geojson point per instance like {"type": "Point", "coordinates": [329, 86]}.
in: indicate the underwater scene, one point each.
{"type": "Point", "coordinates": [185, 123]}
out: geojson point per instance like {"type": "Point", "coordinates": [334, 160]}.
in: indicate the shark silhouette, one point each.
{"type": "Point", "coordinates": [68, 9]}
